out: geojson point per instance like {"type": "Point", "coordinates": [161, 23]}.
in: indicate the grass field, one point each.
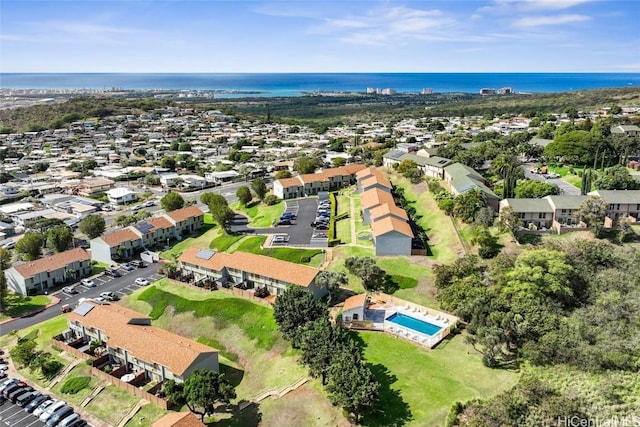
{"type": "Point", "coordinates": [443, 241]}
{"type": "Point", "coordinates": [98, 267]}
{"type": "Point", "coordinates": [81, 370]}
{"type": "Point", "coordinates": [111, 404]}
{"type": "Point", "coordinates": [18, 305]}
{"type": "Point", "coordinates": [259, 214]}
{"type": "Point", "coordinates": [224, 241]}
{"type": "Point", "coordinates": [337, 264]}
{"type": "Point", "coordinates": [419, 385]}
{"type": "Point", "coordinates": [254, 245]}
{"type": "Point", "coordinates": [415, 281]}
{"type": "Point", "coordinates": [146, 416]}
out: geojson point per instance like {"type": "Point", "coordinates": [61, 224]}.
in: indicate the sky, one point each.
{"type": "Point", "coordinates": [241, 36]}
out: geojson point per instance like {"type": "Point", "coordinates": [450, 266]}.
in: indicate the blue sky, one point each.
{"type": "Point", "coordinates": [319, 36]}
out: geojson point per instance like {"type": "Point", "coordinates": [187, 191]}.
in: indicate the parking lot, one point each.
{"type": "Point", "coordinates": [300, 231]}
{"type": "Point", "coordinates": [14, 415]}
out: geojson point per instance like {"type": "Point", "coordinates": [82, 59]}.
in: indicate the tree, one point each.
{"type": "Point", "coordinates": [319, 343]}
{"type": "Point", "coordinates": [259, 187]}
{"type": "Point", "coordinates": [168, 162]}
{"type": "Point", "coordinates": [533, 189]}
{"type": "Point", "coordinates": [172, 201]}
{"type": "Point", "coordinates": [60, 238]}
{"type": "Point", "coordinates": [577, 147]}
{"type": "Point", "coordinates": [509, 220]}
{"type": "Point", "coordinates": [307, 164]}
{"type": "Point", "coordinates": [616, 178]}
{"type": "Point", "coordinates": [352, 385]}
{"type": "Point", "coordinates": [294, 309]}
{"type": "Point", "coordinates": [270, 199]}
{"type": "Point", "coordinates": [331, 281]}
{"type": "Point", "coordinates": [209, 199]}
{"type": "Point", "coordinates": [30, 246]}
{"type": "Point", "coordinates": [592, 212]}
{"type": "Point", "coordinates": [5, 258]}
{"type": "Point", "coordinates": [467, 204]}
{"type": "Point", "coordinates": [283, 174]}
{"type": "Point", "coordinates": [204, 389]}
{"type": "Point", "coordinates": [488, 243]}
{"type": "Point", "coordinates": [338, 162]}
{"type": "Point", "coordinates": [184, 146]}
{"type": "Point", "coordinates": [244, 195]}
{"type": "Point", "coordinates": [92, 225]}
{"type": "Point", "coordinates": [373, 277]}
{"type": "Point", "coordinates": [3, 292]}
{"type": "Point", "coordinates": [588, 176]}
{"type": "Point", "coordinates": [485, 217]}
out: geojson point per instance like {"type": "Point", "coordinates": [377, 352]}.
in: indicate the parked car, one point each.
{"type": "Point", "coordinates": [281, 239]}
{"type": "Point", "coordinates": [284, 222]}
{"type": "Point", "coordinates": [552, 176]}
{"type": "Point", "coordinates": [109, 296]}
{"type": "Point", "coordinates": [319, 235]}
{"type": "Point", "coordinates": [88, 283]}
{"type": "Point", "coordinates": [112, 272]}
{"type": "Point", "coordinates": [70, 290]}
{"type": "Point", "coordinates": [148, 204]}
{"type": "Point", "coordinates": [78, 423]}
{"type": "Point", "coordinates": [19, 392]}
{"type": "Point", "coordinates": [141, 281]}
{"type": "Point", "coordinates": [323, 213]}
{"type": "Point", "coordinates": [49, 410]}
{"type": "Point", "coordinates": [59, 415]}
{"type": "Point", "coordinates": [136, 208]}
{"type": "Point", "coordinates": [288, 215]}
{"type": "Point", "coordinates": [13, 387]}
{"type": "Point", "coordinates": [7, 383]}
{"type": "Point", "coordinates": [138, 264]}
{"type": "Point", "coordinates": [322, 227]}
{"type": "Point", "coordinates": [3, 375]}
{"type": "Point", "coordinates": [44, 405]}
{"type": "Point", "coordinates": [100, 300]}
{"type": "Point", "coordinates": [66, 308]}
{"type": "Point", "coordinates": [126, 266]}
{"type": "Point", "coordinates": [27, 397]}
{"type": "Point", "coordinates": [31, 406]}
{"type": "Point", "coordinates": [69, 420]}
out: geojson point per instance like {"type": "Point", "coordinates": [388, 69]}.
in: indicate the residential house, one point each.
{"type": "Point", "coordinates": [620, 204]}
{"type": "Point", "coordinates": [462, 178]}
{"type": "Point", "coordinates": [254, 271]}
{"type": "Point", "coordinates": [535, 214]}
{"type": "Point", "coordinates": [132, 341]}
{"type": "Point", "coordinates": [122, 196]}
{"type": "Point", "coordinates": [186, 220]}
{"type": "Point", "coordinates": [31, 277]}
{"type": "Point", "coordinates": [7, 229]}
{"type": "Point", "coordinates": [370, 178]}
{"type": "Point", "coordinates": [371, 199]}
{"type": "Point", "coordinates": [154, 231]}
{"type": "Point", "coordinates": [430, 165]}
{"type": "Point", "coordinates": [631, 131]}
{"type": "Point", "coordinates": [288, 188]}
{"type": "Point", "coordinates": [387, 210]}
{"type": "Point", "coordinates": [179, 419]}
{"type": "Point", "coordinates": [354, 307]}
{"type": "Point", "coordinates": [332, 179]}
{"type": "Point", "coordinates": [119, 244]}
{"type": "Point", "coordinates": [392, 236]}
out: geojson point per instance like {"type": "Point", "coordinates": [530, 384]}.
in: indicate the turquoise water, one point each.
{"type": "Point", "coordinates": [295, 84]}
{"type": "Point", "coordinates": [415, 324]}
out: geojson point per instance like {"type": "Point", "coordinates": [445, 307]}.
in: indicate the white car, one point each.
{"type": "Point", "coordinates": [280, 239]}
{"type": "Point", "coordinates": [88, 283]}
{"type": "Point", "coordinates": [40, 409]}
{"type": "Point", "coordinates": [100, 300]}
{"type": "Point", "coordinates": [141, 281]}
{"type": "Point", "coordinates": [552, 176]}
{"type": "Point", "coordinates": [149, 204]}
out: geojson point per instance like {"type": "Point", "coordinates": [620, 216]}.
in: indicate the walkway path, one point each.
{"type": "Point", "coordinates": [352, 218]}
{"type": "Point", "coordinates": [132, 413]}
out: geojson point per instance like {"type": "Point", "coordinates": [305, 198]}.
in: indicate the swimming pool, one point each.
{"type": "Point", "coordinates": [415, 324]}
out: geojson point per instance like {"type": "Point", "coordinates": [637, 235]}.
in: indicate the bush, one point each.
{"type": "Point", "coordinates": [305, 259]}
{"type": "Point", "coordinates": [270, 199]}
{"type": "Point", "coordinates": [487, 252]}
{"type": "Point", "coordinates": [50, 368]}
{"type": "Point", "coordinates": [75, 384]}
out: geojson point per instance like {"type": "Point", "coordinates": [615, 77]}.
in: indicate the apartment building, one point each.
{"type": "Point", "coordinates": [332, 179]}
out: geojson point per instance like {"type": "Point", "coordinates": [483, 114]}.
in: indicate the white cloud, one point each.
{"type": "Point", "coordinates": [537, 21]}
{"type": "Point", "coordinates": [541, 4]}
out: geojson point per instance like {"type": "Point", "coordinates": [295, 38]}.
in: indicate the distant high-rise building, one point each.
{"type": "Point", "coordinates": [505, 91]}
{"type": "Point", "coordinates": [487, 91]}
{"type": "Point", "coordinates": [426, 91]}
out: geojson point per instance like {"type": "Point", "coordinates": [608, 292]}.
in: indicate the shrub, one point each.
{"type": "Point", "coordinates": [75, 384]}
{"type": "Point", "coordinates": [270, 199]}
{"type": "Point", "coordinates": [50, 368]}
{"type": "Point", "coordinates": [305, 259]}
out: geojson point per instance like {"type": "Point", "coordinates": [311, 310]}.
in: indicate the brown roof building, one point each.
{"type": "Point", "coordinates": [41, 274]}
{"type": "Point", "coordinates": [253, 271]}
{"type": "Point", "coordinates": [331, 179]}
{"type": "Point", "coordinates": [132, 341]}
{"type": "Point", "coordinates": [179, 419]}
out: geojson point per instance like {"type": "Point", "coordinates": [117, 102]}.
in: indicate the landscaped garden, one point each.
{"type": "Point", "coordinates": [146, 416]}
{"type": "Point", "coordinates": [202, 239]}
{"type": "Point", "coordinates": [18, 305]}
{"type": "Point", "coordinates": [259, 214]}
{"type": "Point", "coordinates": [112, 404]}
{"type": "Point", "coordinates": [77, 384]}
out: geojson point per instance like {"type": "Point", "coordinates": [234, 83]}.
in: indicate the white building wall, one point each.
{"type": "Point", "coordinates": [393, 243]}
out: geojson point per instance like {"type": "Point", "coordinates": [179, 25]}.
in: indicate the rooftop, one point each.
{"type": "Point", "coordinates": [184, 214]}
{"type": "Point", "coordinates": [52, 263]}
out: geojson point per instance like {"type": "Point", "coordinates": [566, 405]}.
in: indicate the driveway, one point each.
{"type": "Point", "coordinates": [119, 285]}
{"type": "Point", "coordinates": [566, 189]}
{"type": "Point", "coordinates": [299, 232]}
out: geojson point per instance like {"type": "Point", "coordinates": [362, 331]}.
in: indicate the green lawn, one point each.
{"type": "Point", "coordinates": [98, 267]}
{"type": "Point", "coordinates": [224, 241]}
{"type": "Point", "coordinates": [18, 305]}
{"type": "Point", "coordinates": [337, 264]}
{"type": "Point", "coordinates": [81, 370]}
{"type": "Point", "coordinates": [253, 245]}
{"type": "Point", "coordinates": [343, 230]}
{"type": "Point", "coordinates": [257, 321]}
{"type": "Point", "coordinates": [443, 242]}
{"type": "Point", "coordinates": [415, 281]}
{"type": "Point", "coordinates": [146, 416]}
{"type": "Point", "coordinates": [420, 385]}
{"type": "Point", "coordinates": [202, 240]}
{"type": "Point", "coordinates": [344, 205]}
{"type": "Point", "coordinates": [571, 178]}
{"type": "Point", "coordinates": [259, 214]}
{"type": "Point", "coordinates": [112, 404]}
{"type": "Point", "coordinates": [46, 330]}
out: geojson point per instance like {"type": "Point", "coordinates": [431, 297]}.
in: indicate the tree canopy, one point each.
{"type": "Point", "coordinates": [293, 309]}
{"type": "Point", "coordinates": [172, 201]}
{"type": "Point", "coordinates": [92, 225]}
{"type": "Point", "coordinates": [30, 246]}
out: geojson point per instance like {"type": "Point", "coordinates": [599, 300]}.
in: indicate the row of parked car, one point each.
{"type": "Point", "coordinates": [53, 412]}
{"type": "Point", "coordinates": [323, 215]}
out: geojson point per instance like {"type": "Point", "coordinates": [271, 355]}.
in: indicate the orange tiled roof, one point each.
{"type": "Point", "coordinates": [374, 197]}
{"type": "Point", "coordinates": [355, 301]}
{"type": "Point", "coordinates": [284, 271]}
{"type": "Point", "coordinates": [160, 222]}
{"type": "Point", "coordinates": [290, 182]}
{"type": "Point", "coordinates": [132, 331]}
{"type": "Point", "coordinates": [120, 236]}
{"type": "Point", "coordinates": [52, 263]}
{"type": "Point", "coordinates": [178, 419]}
{"type": "Point", "coordinates": [389, 224]}
{"type": "Point", "coordinates": [184, 214]}
{"type": "Point", "coordinates": [374, 179]}
{"type": "Point", "coordinates": [386, 209]}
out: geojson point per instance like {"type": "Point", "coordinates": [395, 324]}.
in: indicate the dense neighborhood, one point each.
{"type": "Point", "coordinates": [290, 265]}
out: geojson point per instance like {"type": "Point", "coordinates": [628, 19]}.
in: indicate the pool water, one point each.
{"type": "Point", "coordinates": [415, 324]}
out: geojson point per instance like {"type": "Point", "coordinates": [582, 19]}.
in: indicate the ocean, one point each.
{"type": "Point", "coordinates": [295, 84]}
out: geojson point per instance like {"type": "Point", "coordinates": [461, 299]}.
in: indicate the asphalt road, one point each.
{"type": "Point", "coordinates": [566, 189]}
{"type": "Point", "coordinates": [119, 285]}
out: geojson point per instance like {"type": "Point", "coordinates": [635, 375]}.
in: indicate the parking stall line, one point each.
{"type": "Point", "coordinates": [10, 407]}
{"type": "Point", "coordinates": [36, 421]}
{"type": "Point", "coordinates": [24, 418]}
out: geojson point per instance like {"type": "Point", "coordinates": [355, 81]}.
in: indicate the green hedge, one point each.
{"type": "Point", "coordinates": [75, 384]}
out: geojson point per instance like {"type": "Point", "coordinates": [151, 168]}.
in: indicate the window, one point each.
{"type": "Point", "coordinates": [564, 211]}
{"type": "Point", "coordinates": [521, 215]}
{"type": "Point", "coordinates": [542, 215]}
